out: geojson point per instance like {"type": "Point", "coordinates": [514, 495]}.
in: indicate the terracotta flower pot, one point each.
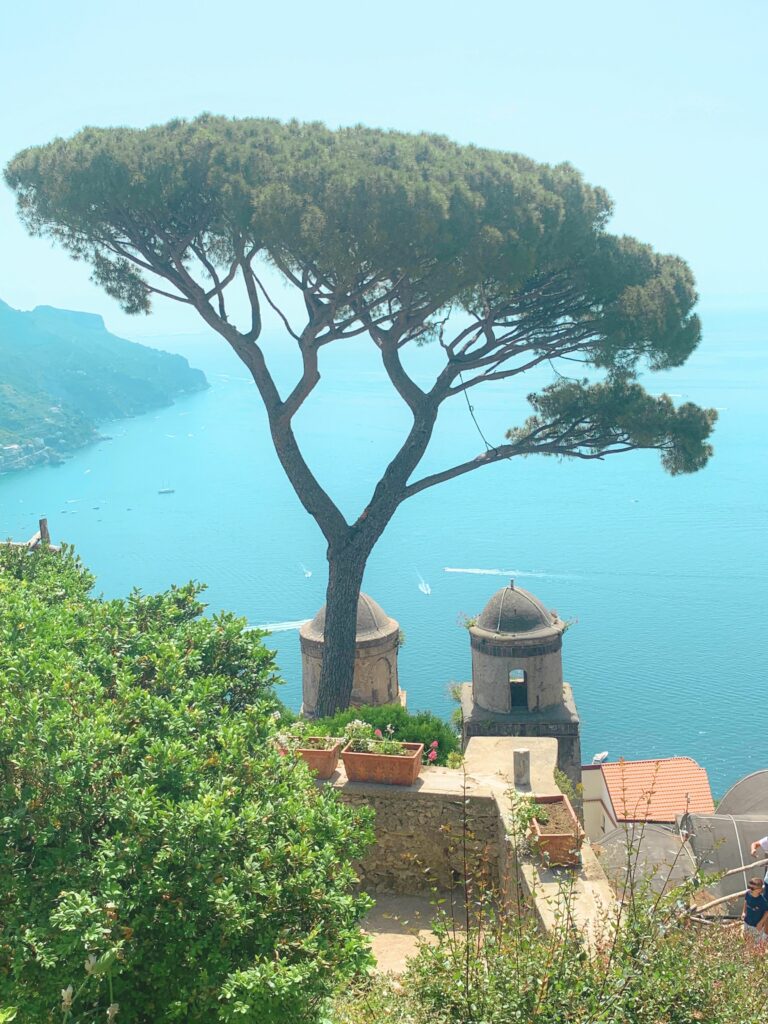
{"type": "Point", "coordinates": [322, 762]}
{"type": "Point", "coordinates": [392, 769]}
{"type": "Point", "coordinates": [559, 847]}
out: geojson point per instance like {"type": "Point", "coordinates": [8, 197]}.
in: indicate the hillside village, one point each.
{"type": "Point", "coordinates": [64, 374]}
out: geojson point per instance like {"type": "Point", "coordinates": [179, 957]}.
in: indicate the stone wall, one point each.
{"type": "Point", "coordinates": [425, 839]}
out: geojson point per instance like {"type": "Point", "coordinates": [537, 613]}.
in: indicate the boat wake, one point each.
{"type": "Point", "coordinates": [424, 587]}
{"type": "Point", "coordinates": [512, 573]}
{"type": "Point", "coordinates": [281, 627]}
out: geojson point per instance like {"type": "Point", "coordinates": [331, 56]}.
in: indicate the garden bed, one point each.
{"type": "Point", "coordinates": [557, 832]}
{"type": "Point", "coordinates": [558, 821]}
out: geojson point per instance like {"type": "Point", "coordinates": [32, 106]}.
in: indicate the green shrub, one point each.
{"type": "Point", "coordinates": [417, 727]}
{"type": "Point", "coordinates": [566, 787]}
{"type": "Point", "coordinates": [156, 853]}
{"type": "Point", "coordinates": [657, 970]}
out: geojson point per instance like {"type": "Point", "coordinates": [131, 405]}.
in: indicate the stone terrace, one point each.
{"type": "Point", "coordinates": [424, 833]}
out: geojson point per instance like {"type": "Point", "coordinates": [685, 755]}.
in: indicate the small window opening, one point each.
{"type": "Point", "coordinates": [518, 688]}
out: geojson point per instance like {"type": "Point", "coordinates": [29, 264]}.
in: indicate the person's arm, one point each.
{"type": "Point", "coordinates": [759, 844]}
{"type": "Point", "coordinates": [762, 924]}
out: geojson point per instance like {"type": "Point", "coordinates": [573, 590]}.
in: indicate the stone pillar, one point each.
{"type": "Point", "coordinates": [522, 768]}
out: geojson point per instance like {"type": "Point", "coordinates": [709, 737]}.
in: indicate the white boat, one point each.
{"type": "Point", "coordinates": [167, 490]}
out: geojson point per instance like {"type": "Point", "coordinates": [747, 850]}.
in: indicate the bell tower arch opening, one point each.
{"type": "Point", "coordinates": [518, 688]}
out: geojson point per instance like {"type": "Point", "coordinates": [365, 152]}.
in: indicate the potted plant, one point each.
{"type": "Point", "coordinates": [369, 756]}
{"type": "Point", "coordinates": [321, 753]}
{"type": "Point", "coordinates": [557, 831]}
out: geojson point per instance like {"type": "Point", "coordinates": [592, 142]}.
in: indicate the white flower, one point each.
{"type": "Point", "coordinates": [391, 729]}
{"type": "Point", "coordinates": [276, 716]}
{"type": "Point", "coordinates": [112, 1011]}
{"type": "Point", "coordinates": [66, 997]}
{"type": "Point", "coordinates": [90, 964]}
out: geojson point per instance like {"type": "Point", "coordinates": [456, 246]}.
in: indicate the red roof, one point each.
{"type": "Point", "coordinates": [657, 790]}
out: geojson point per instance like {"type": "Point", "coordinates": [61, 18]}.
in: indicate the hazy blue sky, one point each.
{"type": "Point", "coordinates": [663, 103]}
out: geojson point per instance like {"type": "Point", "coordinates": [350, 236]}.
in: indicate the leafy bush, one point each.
{"type": "Point", "coordinates": [157, 855]}
{"type": "Point", "coordinates": [564, 784]}
{"type": "Point", "coordinates": [417, 727]}
{"type": "Point", "coordinates": [656, 970]}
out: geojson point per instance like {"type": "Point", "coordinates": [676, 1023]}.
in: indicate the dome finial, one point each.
{"type": "Point", "coordinates": [511, 584]}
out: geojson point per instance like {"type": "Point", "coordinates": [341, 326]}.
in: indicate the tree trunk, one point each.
{"type": "Point", "coordinates": [345, 578]}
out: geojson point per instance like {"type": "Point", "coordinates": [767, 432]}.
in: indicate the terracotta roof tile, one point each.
{"type": "Point", "coordinates": [658, 790]}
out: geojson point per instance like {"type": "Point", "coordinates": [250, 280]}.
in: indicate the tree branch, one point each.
{"type": "Point", "coordinates": [405, 386]}
{"type": "Point", "coordinates": [218, 284]}
{"type": "Point", "coordinates": [309, 380]}
{"type": "Point", "coordinates": [508, 451]}
{"type": "Point", "coordinates": [167, 295]}
{"type": "Point", "coordinates": [276, 308]}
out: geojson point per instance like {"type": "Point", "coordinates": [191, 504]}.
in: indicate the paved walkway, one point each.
{"type": "Point", "coordinates": [396, 925]}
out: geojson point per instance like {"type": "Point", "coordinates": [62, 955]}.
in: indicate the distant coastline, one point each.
{"type": "Point", "coordinates": [62, 374]}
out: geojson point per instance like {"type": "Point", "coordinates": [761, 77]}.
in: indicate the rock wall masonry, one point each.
{"type": "Point", "coordinates": [427, 841]}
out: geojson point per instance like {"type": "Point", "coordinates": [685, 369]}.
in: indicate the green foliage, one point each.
{"type": "Point", "coordinates": [301, 735]}
{"type": "Point", "coordinates": [446, 215]}
{"type": "Point", "coordinates": [566, 787]}
{"type": "Point", "coordinates": [524, 810]}
{"type": "Point", "coordinates": [29, 414]}
{"type": "Point", "coordinates": [63, 372]}
{"type": "Point", "coordinates": [613, 416]}
{"type": "Point", "coordinates": [417, 727]}
{"type": "Point", "coordinates": [156, 852]}
{"type": "Point", "coordinates": [361, 745]}
{"type": "Point", "coordinates": [654, 971]}
{"type": "Point", "coordinates": [362, 738]}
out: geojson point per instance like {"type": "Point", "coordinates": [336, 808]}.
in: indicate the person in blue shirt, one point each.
{"type": "Point", "coordinates": [755, 916]}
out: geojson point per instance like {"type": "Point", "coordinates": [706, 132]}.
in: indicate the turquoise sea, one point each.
{"type": "Point", "coordinates": [667, 578]}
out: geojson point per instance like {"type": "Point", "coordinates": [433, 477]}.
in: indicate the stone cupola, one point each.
{"type": "Point", "coordinates": [516, 653]}
{"type": "Point", "coordinates": [517, 684]}
{"type": "Point", "coordinates": [376, 645]}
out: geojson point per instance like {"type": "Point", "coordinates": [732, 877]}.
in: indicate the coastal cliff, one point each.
{"type": "Point", "coordinates": [62, 374]}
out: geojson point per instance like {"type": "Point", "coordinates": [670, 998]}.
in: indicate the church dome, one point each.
{"type": "Point", "coordinates": [372, 622]}
{"type": "Point", "coordinates": [513, 610]}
